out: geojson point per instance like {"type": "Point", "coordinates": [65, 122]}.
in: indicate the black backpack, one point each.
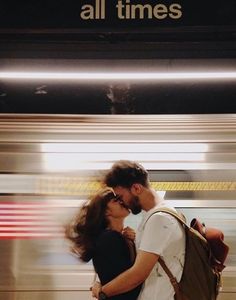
{"type": "Point", "coordinates": [201, 277]}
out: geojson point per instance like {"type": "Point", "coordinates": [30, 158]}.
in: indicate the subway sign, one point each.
{"type": "Point", "coordinates": [127, 10]}
{"type": "Point", "coordinates": [115, 14]}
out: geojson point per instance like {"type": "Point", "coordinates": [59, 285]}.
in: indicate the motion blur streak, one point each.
{"type": "Point", "coordinates": [21, 220]}
{"type": "Point", "coordinates": [50, 164]}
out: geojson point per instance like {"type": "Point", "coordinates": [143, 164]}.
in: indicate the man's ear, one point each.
{"type": "Point", "coordinates": [136, 189]}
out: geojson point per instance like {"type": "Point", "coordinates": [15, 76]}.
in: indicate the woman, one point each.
{"type": "Point", "coordinates": [98, 235]}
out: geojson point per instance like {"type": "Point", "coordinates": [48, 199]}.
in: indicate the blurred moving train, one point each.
{"type": "Point", "coordinates": [50, 164]}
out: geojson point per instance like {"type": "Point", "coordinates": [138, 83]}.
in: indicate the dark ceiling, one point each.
{"type": "Point", "coordinates": [175, 98]}
{"type": "Point", "coordinates": [21, 38]}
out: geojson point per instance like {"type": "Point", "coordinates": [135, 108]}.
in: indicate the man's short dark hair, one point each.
{"type": "Point", "coordinates": [125, 173]}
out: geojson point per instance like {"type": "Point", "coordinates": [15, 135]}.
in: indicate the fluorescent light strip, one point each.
{"type": "Point", "coordinates": [124, 147]}
{"type": "Point", "coordinates": [117, 76]}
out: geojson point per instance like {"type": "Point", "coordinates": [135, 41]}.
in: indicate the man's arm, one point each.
{"type": "Point", "coordinates": [128, 280]}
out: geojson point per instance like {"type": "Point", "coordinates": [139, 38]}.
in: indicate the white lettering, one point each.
{"type": "Point", "coordinates": [141, 9]}
{"type": "Point", "coordinates": [175, 11]}
{"type": "Point", "coordinates": [120, 7]}
{"type": "Point", "coordinates": [160, 11]}
{"type": "Point", "coordinates": [87, 12]}
{"type": "Point", "coordinates": [126, 10]}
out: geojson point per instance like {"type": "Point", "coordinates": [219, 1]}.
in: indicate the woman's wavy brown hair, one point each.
{"type": "Point", "coordinates": [89, 223]}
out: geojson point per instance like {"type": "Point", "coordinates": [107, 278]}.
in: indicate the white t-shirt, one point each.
{"type": "Point", "coordinates": [162, 234]}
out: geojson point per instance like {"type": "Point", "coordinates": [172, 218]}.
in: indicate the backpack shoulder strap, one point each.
{"type": "Point", "coordinates": [181, 219]}
{"type": "Point", "coordinates": [172, 279]}
{"type": "Point", "coordinates": [170, 211]}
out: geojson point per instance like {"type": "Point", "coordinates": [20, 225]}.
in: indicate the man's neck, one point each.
{"type": "Point", "coordinates": [150, 199]}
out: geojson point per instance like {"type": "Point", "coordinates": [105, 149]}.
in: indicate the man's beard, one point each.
{"type": "Point", "coordinates": [135, 206]}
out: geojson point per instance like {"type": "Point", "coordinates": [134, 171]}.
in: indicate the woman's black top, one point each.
{"type": "Point", "coordinates": [113, 256]}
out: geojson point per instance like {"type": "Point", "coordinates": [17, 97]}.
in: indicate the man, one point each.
{"type": "Point", "coordinates": [159, 235]}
